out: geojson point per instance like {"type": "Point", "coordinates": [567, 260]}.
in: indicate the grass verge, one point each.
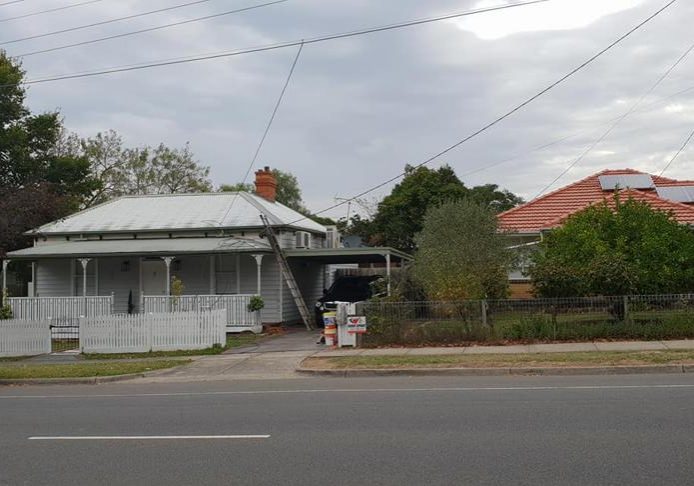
{"type": "Point", "coordinates": [233, 341]}
{"type": "Point", "coordinates": [84, 370]}
{"type": "Point", "coordinates": [588, 358]}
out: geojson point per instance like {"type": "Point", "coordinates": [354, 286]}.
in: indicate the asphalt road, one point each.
{"type": "Point", "coordinates": [501, 430]}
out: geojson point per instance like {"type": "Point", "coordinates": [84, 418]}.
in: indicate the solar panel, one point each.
{"type": "Point", "coordinates": [633, 181]}
{"type": "Point", "coordinates": [683, 194]}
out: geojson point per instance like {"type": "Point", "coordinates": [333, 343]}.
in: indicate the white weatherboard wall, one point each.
{"type": "Point", "coordinates": [24, 338]}
{"type": "Point", "coordinates": [53, 278]}
{"type": "Point", "coordinates": [140, 333]}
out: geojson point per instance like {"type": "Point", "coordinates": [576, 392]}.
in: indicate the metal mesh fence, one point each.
{"type": "Point", "coordinates": [536, 320]}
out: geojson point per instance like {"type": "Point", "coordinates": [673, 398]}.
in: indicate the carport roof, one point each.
{"type": "Point", "coordinates": [349, 255]}
{"type": "Point", "coordinates": [140, 247]}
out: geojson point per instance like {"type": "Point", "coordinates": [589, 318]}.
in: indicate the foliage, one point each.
{"type": "Point", "coordinates": [119, 170]}
{"type": "Point", "coordinates": [461, 254]}
{"type": "Point", "coordinates": [38, 181]}
{"type": "Point", "coordinates": [615, 248]}
{"type": "Point", "coordinates": [177, 286]}
{"type": "Point", "coordinates": [400, 215]}
{"type": "Point", "coordinates": [256, 303]}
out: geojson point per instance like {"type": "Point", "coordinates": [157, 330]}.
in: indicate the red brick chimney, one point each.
{"type": "Point", "coordinates": [266, 184]}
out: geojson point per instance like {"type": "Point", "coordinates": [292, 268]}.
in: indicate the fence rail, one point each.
{"type": "Point", "coordinates": [629, 317]}
{"type": "Point", "coordinates": [24, 338]}
{"type": "Point", "coordinates": [138, 333]}
{"type": "Point", "coordinates": [39, 308]}
{"type": "Point", "coordinates": [238, 317]}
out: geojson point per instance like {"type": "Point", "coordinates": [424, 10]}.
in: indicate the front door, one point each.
{"type": "Point", "coordinates": [153, 277]}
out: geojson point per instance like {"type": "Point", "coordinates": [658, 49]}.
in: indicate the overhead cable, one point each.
{"type": "Point", "coordinates": [271, 47]}
{"type": "Point", "coordinates": [507, 114]}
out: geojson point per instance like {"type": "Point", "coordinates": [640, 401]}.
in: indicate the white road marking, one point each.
{"type": "Point", "coordinates": [357, 390]}
{"type": "Point", "coordinates": [151, 437]}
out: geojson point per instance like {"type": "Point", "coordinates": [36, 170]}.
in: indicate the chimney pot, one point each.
{"type": "Point", "coordinates": [266, 184]}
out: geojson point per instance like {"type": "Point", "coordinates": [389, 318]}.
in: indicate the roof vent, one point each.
{"type": "Point", "coordinates": [624, 181]}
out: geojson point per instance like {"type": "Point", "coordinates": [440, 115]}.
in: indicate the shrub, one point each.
{"type": "Point", "coordinates": [256, 303]}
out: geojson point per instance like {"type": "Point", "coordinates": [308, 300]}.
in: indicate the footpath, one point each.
{"type": "Point", "coordinates": [677, 356]}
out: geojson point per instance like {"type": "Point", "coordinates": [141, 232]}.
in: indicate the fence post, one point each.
{"type": "Point", "coordinates": [626, 308]}
{"type": "Point", "coordinates": [484, 312]}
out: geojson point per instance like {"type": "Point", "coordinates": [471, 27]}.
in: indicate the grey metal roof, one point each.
{"type": "Point", "coordinates": [141, 247]}
{"type": "Point", "coordinates": [623, 181]}
{"type": "Point", "coordinates": [205, 211]}
{"type": "Point", "coordinates": [683, 194]}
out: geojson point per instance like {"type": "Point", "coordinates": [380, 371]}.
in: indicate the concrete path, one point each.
{"type": "Point", "coordinates": [272, 358]}
{"type": "Point", "coordinates": [515, 349]}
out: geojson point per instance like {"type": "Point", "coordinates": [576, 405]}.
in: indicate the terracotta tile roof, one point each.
{"type": "Point", "coordinates": [552, 209]}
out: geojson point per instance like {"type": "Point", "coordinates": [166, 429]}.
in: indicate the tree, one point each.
{"type": "Point", "coordinates": [400, 215]}
{"type": "Point", "coordinates": [39, 181]}
{"type": "Point", "coordinates": [615, 248]}
{"type": "Point", "coordinates": [461, 254]}
{"type": "Point", "coordinates": [119, 170]}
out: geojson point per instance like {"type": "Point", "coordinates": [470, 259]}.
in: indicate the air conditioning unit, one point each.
{"type": "Point", "coordinates": [303, 239]}
{"type": "Point", "coordinates": [332, 237]}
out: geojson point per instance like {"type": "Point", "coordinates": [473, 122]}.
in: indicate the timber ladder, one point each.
{"type": "Point", "coordinates": [306, 315]}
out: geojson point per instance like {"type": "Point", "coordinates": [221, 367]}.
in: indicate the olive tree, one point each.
{"type": "Point", "coordinates": [461, 254]}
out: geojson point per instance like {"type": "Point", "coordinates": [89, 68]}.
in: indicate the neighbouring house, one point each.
{"type": "Point", "coordinates": [133, 246]}
{"type": "Point", "coordinates": [527, 223]}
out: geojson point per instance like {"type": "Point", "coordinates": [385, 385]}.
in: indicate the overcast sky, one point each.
{"type": "Point", "coordinates": [358, 109]}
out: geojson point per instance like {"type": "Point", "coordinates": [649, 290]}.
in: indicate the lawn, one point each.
{"type": "Point", "coordinates": [85, 370]}
{"type": "Point", "coordinates": [588, 358]}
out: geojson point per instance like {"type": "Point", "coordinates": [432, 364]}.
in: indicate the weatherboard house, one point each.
{"type": "Point", "coordinates": [526, 224]}
{"type": "Point", "coordinates": [131, 248]}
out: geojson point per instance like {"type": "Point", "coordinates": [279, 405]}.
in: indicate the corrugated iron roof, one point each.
{"type": "Point", "coordinates": [142, 247]}
{"type": "Point", "coordinates": [170, 212]}
{"type": "Point", "coordinates": [552, 209]}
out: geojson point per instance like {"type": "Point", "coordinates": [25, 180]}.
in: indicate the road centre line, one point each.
{"type": "Point", "coordinates": [355, 390]}
{"type": "Point", "coordinates": [151, 437]}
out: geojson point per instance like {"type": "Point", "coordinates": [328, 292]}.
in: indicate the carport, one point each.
{"type": "Point", "coordinates": [361, 255]}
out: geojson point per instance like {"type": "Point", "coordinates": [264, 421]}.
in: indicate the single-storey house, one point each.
{"type": "Point", "coordinates": [527, 223]}
{"type": "Point", "coordinates": [213, 243]}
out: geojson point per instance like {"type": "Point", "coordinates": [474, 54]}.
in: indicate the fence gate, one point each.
{"type": "Point", "coordinates": [65, 334]}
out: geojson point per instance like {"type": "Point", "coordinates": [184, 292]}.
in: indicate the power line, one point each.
{"type": "Point", "coordinates": [10, 3]}
{"type": "Point", "coordinates": [56, 9]}
{"type": "Point", "coordinates": [684, 145]}
{"type": "Point", "coordinates": [267, 129]}
{"type": "Point", "coordinates": [271, 47]}
{"type": "Point", "coordinates": [507, 114]}
{"type": "Point", "coordinates": [151, 29]}
{"type": "Point", "coordinates": [104, 22]}
{"type": "Point", "coordinates": [618, 121]}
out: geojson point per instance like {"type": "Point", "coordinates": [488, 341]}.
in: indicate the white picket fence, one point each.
{"type": "Point", "coordinates": [138, 333]}
{"type": "Point", "coordinates": [238, 317]}
{"type": "Point", "coordinates": [38, 308]}
{"type": "Point", "coordinates": [24, 338]}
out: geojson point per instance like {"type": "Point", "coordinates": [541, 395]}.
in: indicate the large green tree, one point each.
{"type": "Point", "coordinates": [39, 180]}
{"type": "Point", "coordinates": [400, 215]}
{"type": "Point", "coordinates": [461, 254]}
{"type": "Point", "coordinates": [614, 248]}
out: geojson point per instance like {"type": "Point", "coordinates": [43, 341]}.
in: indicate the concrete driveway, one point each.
{"type": "Point", "coordinates": [271, 358]}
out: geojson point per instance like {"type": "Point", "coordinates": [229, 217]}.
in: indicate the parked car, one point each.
{"type": "Point", "coordinates": [350, 288]}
